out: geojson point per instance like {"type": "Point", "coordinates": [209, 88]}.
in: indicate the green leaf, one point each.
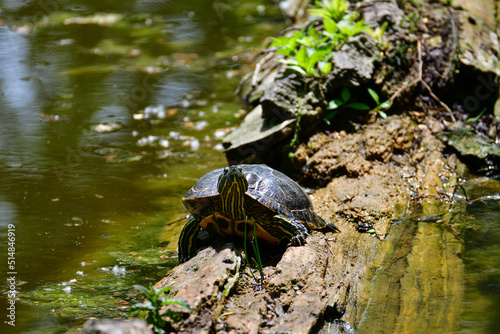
{"type": "Point", "coordinates": [314, 34]}
{"type": "Point", "coordinates": [320, 12]}
{"type": "Point", "coordinates": [335, 104]}
{"type": "Point", "coordinates": [284, 51]}
{"type": "Point", "coordinates": [383, 28]}
{"type": "Point", "coordinates": [297, 69]}
{"type": "Point", "coordinates": [325, 67]}
{"type": "Point", "coordinates": [312, 71]}
{"type": "Point", "coordinates": [346, 94]}
{"type": "Point", "coordinates": [330, 26]}
{"type": "Point", "coordinates": [331, 115]}
{"type": "Point", "coordinates": [278, 42]}
{"type": "Point", "coordinates": [472, 120]}
{"type": "Point", "coordinates": [147, 305]}
{"type": "Point", "coordinates": [349, 28]}
{"type": "Point", "coordinates": [382, 114]}
{"type": "Point", "coordinates": [176, 301]}
{"type": "Point", "coordinates": [142, 289]}
{"type": "Point", "coordinates": [289, 61]}
{"type": "Point", "coordinates": [358, 106]}
{"type": "Point", "coordinates": [386, 105]}
{"type": "Point", "coordinates": [165, 289]}
{"type": "Point", "coordinates": [314, 58]}
{"type": "Point", "coordinates": [306, 41]}
{"type": "Point", "coordinates": [374, 96]}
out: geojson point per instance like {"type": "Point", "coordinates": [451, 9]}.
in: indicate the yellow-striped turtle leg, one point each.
{"type": "Point", "coordinates": [187, 240]}
{"type": "Point", "coordinates": [294, 229]}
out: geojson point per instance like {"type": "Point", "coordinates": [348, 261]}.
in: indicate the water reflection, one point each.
{"type": "Point", "coordinates": [19, 101]}
{"type": "Point", "coordinates": [9, 212]}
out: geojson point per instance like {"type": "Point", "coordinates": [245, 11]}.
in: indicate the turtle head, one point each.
{"type": "Point", "coordinates": [232, 180]}
{"type": "Point", "coordinates": [232, 186]}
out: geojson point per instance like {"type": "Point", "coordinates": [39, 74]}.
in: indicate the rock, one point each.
{"type": "Point", "coordinates": [479, 44]}
{"type": "Point", "coordinates": [290, 97]}
{"type": "Point", "coordinates": [353, 64]}
{"type": "Point", "coordinates": [468, 143]}
{"type": "Point", "coordinates": [256, 136]}
{"type": "Point", "coordinates": [481, 153]}
{"type": "Point", "coordinates": [377, 12]}
{"type": "Point", "coordinates": [203, 282]}
{"type": "Point", "coordinates": [478, 41]}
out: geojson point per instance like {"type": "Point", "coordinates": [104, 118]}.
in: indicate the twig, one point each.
{"type": "Point", "coordinates": [438, 100]}
{"type": "Point", "coordinates": [330, 249]}
{"type": "Point", "coordinates": [483, 198]}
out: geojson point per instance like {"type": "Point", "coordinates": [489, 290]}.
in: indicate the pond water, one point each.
{"type": "Point", "coordinates": [109, 112]}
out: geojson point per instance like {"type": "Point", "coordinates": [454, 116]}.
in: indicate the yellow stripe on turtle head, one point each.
{"type": "Point", "coordinates": [232, 186]}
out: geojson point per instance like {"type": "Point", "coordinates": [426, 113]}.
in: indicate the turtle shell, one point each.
{"type": "Point", "coordinates": [272, 189]}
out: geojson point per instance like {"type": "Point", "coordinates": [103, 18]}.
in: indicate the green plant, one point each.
{"type": "Point", "coordinates": [381, 106]}
{"type": "Point", "coordinates": [257, 259]}
{"type": "Point", "coordinates": [334, 9]}
{"type": "Point", "coordinates": [337, 104]}
{"type": "Point", "coordinates": [474, 119]}
{"type": "Point", "coordinates": [150, 308]}
{"type": "Point", "coordinates": [306, 53]}
{"type": "Point", "coordinates": [344, 102]}
{"type": "Point", "coordinates": [378, 34]}
{"type": "Point", "coordinates": [410, 21]}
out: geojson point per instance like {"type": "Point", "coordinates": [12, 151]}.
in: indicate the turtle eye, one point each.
{"type": "Point", "coordinates": [224, 173]}
{"type": "Point", "coordinates": [220, 183]}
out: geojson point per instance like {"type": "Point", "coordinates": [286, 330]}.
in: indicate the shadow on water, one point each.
{"type": "Point", "coordinates": [109, 111]}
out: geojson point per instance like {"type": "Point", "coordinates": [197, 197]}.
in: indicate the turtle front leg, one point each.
{"type": "Point", "coordinates": [292, 228]}
{"type": "Point", "coordinates": [187, 240]}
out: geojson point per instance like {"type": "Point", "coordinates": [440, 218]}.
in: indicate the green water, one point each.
{"type": "Point", "coordinates": [89, 207]}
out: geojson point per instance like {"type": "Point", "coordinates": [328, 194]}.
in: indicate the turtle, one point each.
{"type": "Point", "coordinates": [230, 200]}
